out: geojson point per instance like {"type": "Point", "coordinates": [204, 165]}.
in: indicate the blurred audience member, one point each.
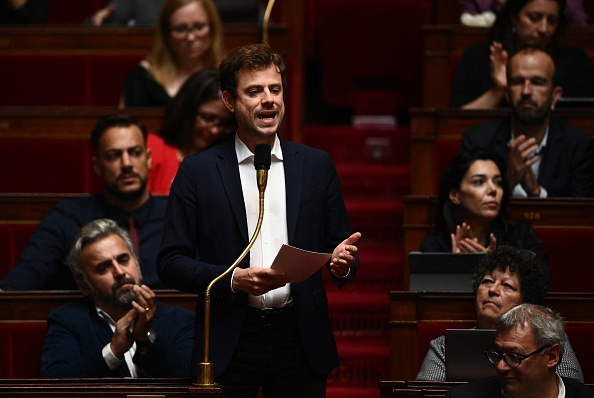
{"type": "Point", "coordinates": [482, 13]}
{"type": "Point", "coordinates": [506, 277]}
{"type": "Point", "coordinates": [122, 161]}
{"type": "Point", "coordinates": [195, 119]}
{"type": "Point", "coordinates": [17, 12]}
{"type": "Point", "coordinates": [145, 12]}
{"type": "Point", "coordinates": [546, 156]}
{"type": "Point", "coordinates": [128, 12]}
{"type": "Point", "coordinates": [474, 196]}
{"type": "Point", "coordinates": [480, 81]}
{"type": "Point", "coordinates": [188, 38]}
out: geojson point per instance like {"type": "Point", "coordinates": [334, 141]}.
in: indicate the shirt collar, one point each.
{"type": "Point", "coordinates": [244, 155]}
{"type": "Point", "coordinates": [543, 143]}
{"type": "Point", "coordinates": [140, 215]}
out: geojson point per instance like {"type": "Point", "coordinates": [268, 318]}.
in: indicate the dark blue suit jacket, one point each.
{"type": "Point", "coordinates": [490, 388]}
{"type": "Point", "coordinates": [77, 334]}
{"type": "Point", "coordinates": [567, 166]}
{"type": "Point", "coordinates": [206, 231]}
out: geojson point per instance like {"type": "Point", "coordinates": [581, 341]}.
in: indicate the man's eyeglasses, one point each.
{"type": "Point", "coordinates": [513, 360]}
{"type": "Point", "coordinates": [197, 29]}
{"type": "Point", "coordinates": [214, 120]}
{"type": "Point", "coordinates": [524, 254]}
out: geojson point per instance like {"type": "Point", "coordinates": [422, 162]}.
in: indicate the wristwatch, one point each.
{"type": "Point", "coordinates": [145, 344]}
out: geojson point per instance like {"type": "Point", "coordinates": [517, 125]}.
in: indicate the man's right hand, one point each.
{"type": "Point", "coordinates": [518, 161]}
{"type": "Point", "coordinates": [257, 281]}
{"type": "Point", "coordinates": [122, 339]}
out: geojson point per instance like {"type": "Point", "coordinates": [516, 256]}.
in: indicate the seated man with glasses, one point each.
{"type": "Point", "coordinates": [529, 344]}
{"type": "Point", "coordinates": [505, 278]}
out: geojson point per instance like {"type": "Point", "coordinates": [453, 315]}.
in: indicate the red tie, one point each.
{"type": "Point", "coordinates": [133, 234]}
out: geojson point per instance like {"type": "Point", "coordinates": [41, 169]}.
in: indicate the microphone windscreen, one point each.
{"type": "Point", "coordinates": [262, 157]}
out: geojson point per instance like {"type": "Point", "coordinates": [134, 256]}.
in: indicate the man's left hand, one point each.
{"type": "Point", "coordinates": [343, 255]}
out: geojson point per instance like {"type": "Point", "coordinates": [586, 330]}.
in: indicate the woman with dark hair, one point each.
{"type": "Point", "coordinates": [474, 196]}
{"type": "Point", "coordinates": [195, 119]}
{"type": "Point", "coordinates": [480, 81]}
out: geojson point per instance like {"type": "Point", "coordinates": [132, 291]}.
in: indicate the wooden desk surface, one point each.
{"type": "Point", "coordinates": [105, 387]}
{"type": "Point", "coordinates": [36, 305]}
{"type": "Point", "coordinates": [66, 122]}
{"type": "Point", "coordinates": [112, 40]}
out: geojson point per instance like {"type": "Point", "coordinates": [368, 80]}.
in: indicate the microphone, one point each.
{"type": "Point", "coordinates": [262, 164]}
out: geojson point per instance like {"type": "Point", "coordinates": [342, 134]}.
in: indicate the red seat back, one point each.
{"type": "Point", "coordinates": [13, 238]}
{"type": "Point", "coordinates": [63, 79]}
{"type": "Point", "coordinates": [356, 60]}
{"type": "Point", "coordinates": [21, 345]}
{"type": "Point", "coordinates": [46, 166]}
{"type": "Point", "coordinates": [570, 252]}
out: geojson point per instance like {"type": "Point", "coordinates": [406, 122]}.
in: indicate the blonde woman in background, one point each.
{"type": "Point", "coordinates": [188, 38]}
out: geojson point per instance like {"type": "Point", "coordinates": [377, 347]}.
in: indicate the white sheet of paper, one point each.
{"type": "Point", "coordinates": [299, 264]}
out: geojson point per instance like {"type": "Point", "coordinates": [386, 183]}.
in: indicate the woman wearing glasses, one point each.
{"type": "Point", "coordinates": [506, 277]}
{"type": "Point", "coordinates": [474, 196]}
{"type": "Point", "coordinates": [188, 38]}
{"type": "Point", "coordinates": [195, 119]}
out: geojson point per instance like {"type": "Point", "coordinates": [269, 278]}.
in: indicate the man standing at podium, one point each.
{"type": "Point", "coordinates": [265, 332]}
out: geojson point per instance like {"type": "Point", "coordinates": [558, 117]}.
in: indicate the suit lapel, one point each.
{"type": "Point", "coordinates": [293, 165]}
{"type": "Point", "coordinates": [229, 174]}
{"type": "Point", "coordinates": [550, 157]}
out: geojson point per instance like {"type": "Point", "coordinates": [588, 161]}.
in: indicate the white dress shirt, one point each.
{"type": "Point", "coordinates": [113, 362]}
{"type": "Point", "coordinates": [273, 233]}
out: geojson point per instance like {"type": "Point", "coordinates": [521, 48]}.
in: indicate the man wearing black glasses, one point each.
{"type": "Point", "coordinates": [528, 346]}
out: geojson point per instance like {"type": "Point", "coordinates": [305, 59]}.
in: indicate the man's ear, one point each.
{"type": "Point", "coordinates": [557, 93]}
{"type": "Point", "coordinates": [554, 356]}
{"type": "Point", "coordinates": [228, 101]}
{"type": "Point", "coordinates": [149, 157]}
{"type": "Point", "coordinates": [84, 288]}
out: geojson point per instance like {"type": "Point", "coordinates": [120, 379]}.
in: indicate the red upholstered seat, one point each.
{"type": "Point", "coordinates": [13, 238]}
{"type": "Point", "coordinates": [63, 79]}
{"type": "Point", "coordinates": [570, 252]}
{"type": "Point", "coordinates": [372, 48]}
{"type": "Point", "coordinates": [46, 166]}
{"type": "Point", "coordinates": [21, 344]}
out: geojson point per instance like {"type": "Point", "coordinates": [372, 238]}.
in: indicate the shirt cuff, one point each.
{"type": "Point", "coordinates": [341, 276]}
{"type": "Point", "coordinates": [112, 361]}
{"type": "Point", "coordinates": [233, 276]}
{"type": "Point", "coordinates": [519, 192]}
